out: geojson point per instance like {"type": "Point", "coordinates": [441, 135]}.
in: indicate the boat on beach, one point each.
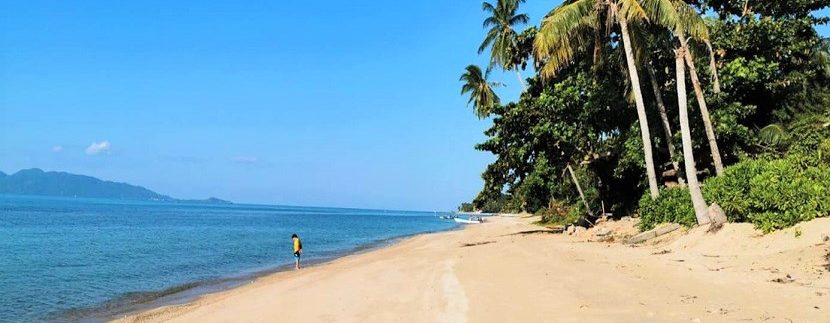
{"type": "Point", "coordinates": [471, 220]}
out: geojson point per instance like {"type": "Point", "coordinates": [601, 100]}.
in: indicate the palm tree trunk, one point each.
{"type": "Point", "coordinates": [713, 67]}
{"type": "Point", "coordinates": [641, 109]}
{"type": "Point", "coordinates": [521, 79]}
{"type": "Point", "coordinates": [579, 189]}
{"type": "Point", "coordinates": [704, 111]}
{"type": "Point", "coordinates": [664, 117]}
{"type": "Point", "coordinates": [701, 212]}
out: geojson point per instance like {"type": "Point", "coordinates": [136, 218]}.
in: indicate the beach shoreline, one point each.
{"type": "Point", "coordinates": [140, 302]}
{"type": "Point", "coordinates": [508, 269]}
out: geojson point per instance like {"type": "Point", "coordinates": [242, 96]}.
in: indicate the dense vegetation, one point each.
{"type": "Point", "coordinates": [597, 121]}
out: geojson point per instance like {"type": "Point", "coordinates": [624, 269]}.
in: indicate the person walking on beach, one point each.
{"type": "Point", "coordinates": [298, 249]}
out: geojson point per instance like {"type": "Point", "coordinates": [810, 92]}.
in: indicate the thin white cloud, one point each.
{"type": "Point", "coordinates": [244, 159]}
{"type": "Point", "coordinates": [57, 148]}
{"type": "Point", "coordinates": [97, 148]}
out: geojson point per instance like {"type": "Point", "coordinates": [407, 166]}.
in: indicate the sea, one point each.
{"type": "Point", "coordinates": [88, 260]}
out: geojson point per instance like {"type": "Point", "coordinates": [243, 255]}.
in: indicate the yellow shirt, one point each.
{"type": "Point", "coordinates": [296, 244]}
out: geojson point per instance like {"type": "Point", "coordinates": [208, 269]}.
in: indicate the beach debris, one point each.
{"type": "Point", "coordinates": [661, 252]}
{"type": "Point", "coordinates": [571, 229]}
{"type": "Point", "coordinates": [784, 280]}
{"type": "Point", "coordinates": [553, 230]}
{"type": "Point", "coordinates": [825, 238]}
{"type": "Point", "coordinates": [654, 233]}
{"type": "Point", "coordinates": [827, 258]}
{"type": "Point", "coordinates": [476, 243]}
{"type": "Point", "coordinates": [601, 232]}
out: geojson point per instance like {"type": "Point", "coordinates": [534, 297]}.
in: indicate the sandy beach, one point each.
{"type": "Point", "coordinates": [509, 270]}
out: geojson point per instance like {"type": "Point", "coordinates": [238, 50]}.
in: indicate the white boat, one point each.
{"type": "Point", "coordinates": [471, 220]}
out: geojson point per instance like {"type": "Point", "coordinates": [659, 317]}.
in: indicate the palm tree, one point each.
{"type": "Point", "coordinates": [501, 37]}
{"type": "Point", "coordinates": [681, 19]}
{"type": "Point", "coordinates": [572, 26]}
{"type": "Point", "coordinates": [713, 67]}
{"type": "Point", "coordinates": [482, 96]}
{"type": "Point", "coordinates": [701, 211]}
{"type": "Point", "coordinates": [664, 118]}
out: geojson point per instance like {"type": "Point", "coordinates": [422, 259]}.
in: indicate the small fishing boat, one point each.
{"type": "Point", "coordinates": [471, 220]}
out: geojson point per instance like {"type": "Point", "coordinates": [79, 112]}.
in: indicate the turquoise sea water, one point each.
{"type": "Point", "coordinates": [65, 259]}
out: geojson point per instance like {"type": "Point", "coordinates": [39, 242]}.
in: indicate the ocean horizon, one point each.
{"type": "Point", "coordinates": [70, 259]}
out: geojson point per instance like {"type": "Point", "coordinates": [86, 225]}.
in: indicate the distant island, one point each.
{"type": "Point", "coordinates": [35, 181]}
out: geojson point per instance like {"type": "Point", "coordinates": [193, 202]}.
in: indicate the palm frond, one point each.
{"type": "Point", "coordinates": [490, 21]}
{"type": "Point", "coordinates": [488, 40]}
{"type": "Point", "coordinates": [694, 25]}
{"type": "Point", "coordinates": [662, 13]}
{"type": "Point", "coordinates": [488, 7]}
{"type": "Point", "coordinates": [561, 33]}
{"type": "Point", "coordinates": [630, 10]}
{"type": "Point", "coordinates": [519, 19]}
{"type": "Point", "coordinates": [772, 135]}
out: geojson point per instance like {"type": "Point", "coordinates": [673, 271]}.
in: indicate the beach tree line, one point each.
{"type": "Point", "coordinates": [657, 107]}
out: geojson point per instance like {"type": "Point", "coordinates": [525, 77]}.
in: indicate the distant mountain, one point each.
{"type": "Point", "coordinates": [37, 182]}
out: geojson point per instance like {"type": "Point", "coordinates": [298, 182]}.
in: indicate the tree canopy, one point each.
{"type": "Point", "coordinates": [763, 71]}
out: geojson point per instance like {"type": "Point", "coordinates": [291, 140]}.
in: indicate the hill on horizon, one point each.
{"type": "Point", "coordinates": [35, 181]}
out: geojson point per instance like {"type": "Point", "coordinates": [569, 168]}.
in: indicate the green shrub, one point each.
{"type": "Point", "coordinates": [772, 194]}
{"type": "Point", "coordinates": [730, 190]}
{"type": "Point", "coordinates": [558, 213]}
{"type": "Point", "coordinates": [824, 151]}
{"type": "Point", "coordinates": [674, 205]}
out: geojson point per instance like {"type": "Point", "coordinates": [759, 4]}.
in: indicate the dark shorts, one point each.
{"type": "Point", "coordinates": [297, 255]}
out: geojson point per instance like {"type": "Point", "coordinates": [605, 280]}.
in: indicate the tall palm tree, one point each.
{"type": "Point", "coordinates": [664, 118]}
{"type": "Point", "coordinates": [571, 27]}
{"type": "Point", "coordinates": [647, 43]}
{"type": "Point", "coordinates": [501, 37]}
{"type": "Point", "coordinates": [482, 96]}
{"type": "Point", "coordinates": [684, 22]}
{"type": "Point", "coordinates": [699, 204]}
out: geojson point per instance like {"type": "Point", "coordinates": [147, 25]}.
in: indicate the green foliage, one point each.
{"type": "Point", "coordinates": [673, 206]}
{"type": "Point", "coordinates": [466, 207]}
{"type": "Point", "coordinates": [772, 194]}
{"type": "Point", "coordinates": [558, 213]}
{"type": "Point", "coordinates": [574, 122]}
{"type": "Point", "coordinates": [773, 67]}
{"type": "Point", "coordinates": [482, 96]}
{"type": "Point", "coordinates": [501, 36]}
{"type": "Point", "coordinates": [731, 189]}
{"type": "Point", "coordinates": [824, 151]}
{"type": "Point", "coordinates": [807, 133]}
{"type": "Point", "coordinates": [502, 203]}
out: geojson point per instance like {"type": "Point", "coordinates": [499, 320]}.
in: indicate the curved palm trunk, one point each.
{"type": "Point", "coordinates": [641, 110]}
{"type": "Point", "coordinates": [713, 67]}
{"type": "Point", "coordinates": [701, 212]}
{"type": "Point", "coordinates": [664, 117]}
{"type": "Point", "coordinates": [704, 111]}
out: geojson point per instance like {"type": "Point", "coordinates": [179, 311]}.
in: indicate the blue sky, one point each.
{"type": "Point", "coordinates": [278, 102]}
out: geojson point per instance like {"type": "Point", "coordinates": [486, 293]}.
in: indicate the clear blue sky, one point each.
{"type": "Point", "coordinates": [326, 103]}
